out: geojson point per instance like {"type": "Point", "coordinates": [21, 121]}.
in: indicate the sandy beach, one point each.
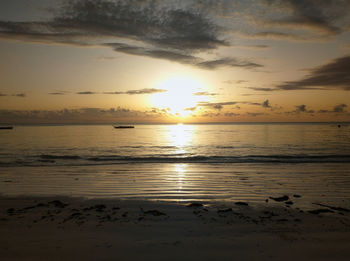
{"type": "Point", "coordinates": [81, 229]}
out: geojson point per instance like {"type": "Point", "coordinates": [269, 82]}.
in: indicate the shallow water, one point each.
{"type": "Point", "coordinates": [225, 143]}
{"type": "Point", "coordinates": [243, 162]}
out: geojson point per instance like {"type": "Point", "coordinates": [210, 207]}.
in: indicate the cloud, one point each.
{"type": "Point", "coordinates": [205, 94]}
{"type": "Point", "coordinates": [129, 92]}
{"type": "Point", "coordinates": [190, 109]}
{"type": "Point", "coordinates": [228, 62]}
{"type": "Point", "coordinates": [216, 105]}
{"type": "Point", "coordinates": [236, 82]}
{"type": "Point", "coordinates": [144, 21]}
{"type": "Point", "coordinates": [241, 81]}
{"type": "Point", "coordinates": [231, 114]}
{"type": "Point", "coordinates": [254, 114]}
{"type": "Point", "coordinates": [86, 93]}
{"type": "Point", "coordinates": [254, 47]}
{"type": "Point", "coordinates": [331, 76]}
{"type": "Point", "coordinates": [300, 109]}
{"type": "Point", "coordinates": [154, 29]}
{"type": "Point", "coordinates": [275, 36]}
{"type": "Point", "coordinates": [339, 108]}
{"type": "Point", "coordinates": [220, 105]}
{"type": "Point", "coordinates": [262, 89]}
{"type": "Point", "coordinates": [171, 55]}
{"type": "Point", "coordinates": [141, 91]}
{"type": "Point", "coordinates": [82, 115]}
{"type": "Point", "coordinates": [57, 93]}
{"type": "Point", "coordinates": [266, 104]}
{"type": "Point", "coordinates": [180, 57]}
{"type": "Point", "coordinates": [313, 15]}
{"type": "Point", "coordinates": [106, 58]}
{"type": "Point", "coordinates": [21, 95]}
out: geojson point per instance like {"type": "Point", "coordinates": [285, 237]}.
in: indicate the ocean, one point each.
{"type": "Point", "coordinates": [207, 162]}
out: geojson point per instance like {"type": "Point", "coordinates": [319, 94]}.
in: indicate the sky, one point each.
{"type": "Point", "coordinates": [153, 61]}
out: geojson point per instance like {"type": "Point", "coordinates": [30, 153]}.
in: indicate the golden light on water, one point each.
{"type": "Point", "coordinates": [179, 97]}
{"type": "Point", "coordinates": [180, 171]}
{"type": "Point", "coordinates": [180, 136]}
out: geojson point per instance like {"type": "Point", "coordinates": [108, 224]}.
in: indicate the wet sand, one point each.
{"type": "Point", "coordinates": [80, 229]}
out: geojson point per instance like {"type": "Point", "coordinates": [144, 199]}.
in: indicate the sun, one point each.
{"type": "Point", "coordinates": [179, 97]}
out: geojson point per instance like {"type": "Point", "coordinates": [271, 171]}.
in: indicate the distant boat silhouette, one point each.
{"type": "Point", "coordinates": [6, 128]}
{"type": "Point", "coordinates": [124, 127]}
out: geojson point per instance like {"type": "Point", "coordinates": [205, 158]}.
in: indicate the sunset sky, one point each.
{"type": "Point", "coordinates": [174, 61]}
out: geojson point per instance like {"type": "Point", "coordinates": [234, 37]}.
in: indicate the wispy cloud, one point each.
{"type": "Point", "coordinates": [216, 105]}
{"type": "Point", "coordinates": [235, 82]}
{"type": "Point", "coordinates": [331, 76]}
{"type": "Point", "coordinates": [255, 114]}
{"type": "Point", "coordinates": [141, 91]}
{"type": "Point", "coordinates": [229, 62]}
{"type": "Point", "coordinates": [56, 93]}
{"type": "Point", "coordinates": [275, 36]}
{"type": "Point", "coordinates": [87, 93]}
{"type": "Point", "coordinates": [254, 47]}
{"type": "Point", "coordinates": [314, 15]}
{"type": "Point", "coordinates": [220, 105]}
{"type": "Point", "coordinates": [205, 94]}
{"type": "Point", "coordinates": [262, 89]}
{"type": "Point", "coordinates": [21, 95]}
{"type": "Point", "coordinates": [129, 92]}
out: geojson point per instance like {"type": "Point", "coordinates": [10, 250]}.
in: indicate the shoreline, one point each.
{"type": "Point", "coordinates": [64, 228]}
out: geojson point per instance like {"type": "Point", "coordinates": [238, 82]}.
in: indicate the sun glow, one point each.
{"type": "Point", "coordinates": [179, 99]}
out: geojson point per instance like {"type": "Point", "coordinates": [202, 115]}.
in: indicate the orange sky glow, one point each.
{"type": "Point", "coordinates": [107, 61]}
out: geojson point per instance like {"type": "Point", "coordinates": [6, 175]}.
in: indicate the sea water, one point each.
{"type": "Point", "coordinates": [206, 162]}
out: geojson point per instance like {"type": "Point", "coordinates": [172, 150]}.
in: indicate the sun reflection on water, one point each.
{"type": "Point", "coordinates": [180, 136]}
{"type": "Point", "coordinates": [180, 171]}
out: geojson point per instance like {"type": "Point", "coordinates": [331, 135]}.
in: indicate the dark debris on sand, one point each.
{"type": "Point", "coordinates": [99, 214]}
{"type": "Point", "coordinates": [154, 212]}
{"type": "Point", "coordinates": [240, 203]}
{"type": "Point", "coordinates": [280, 199]}
{"type": "Point", "coordinates": [195, 205]}
{"type": "Point", "coordinates": [319, 211]}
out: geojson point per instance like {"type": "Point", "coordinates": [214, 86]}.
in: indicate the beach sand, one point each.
{"type": "Point", "coordinates": [81, 229]}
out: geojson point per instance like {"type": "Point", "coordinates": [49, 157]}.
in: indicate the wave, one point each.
{"type": "Point", "coordinates": [169, 158]}
{"type": "Point", "coordinates": [78, 160]}
{"type": "Point", "coordinates": [230, 159]}
{"type": "Point", "coordinates": [53, 157]}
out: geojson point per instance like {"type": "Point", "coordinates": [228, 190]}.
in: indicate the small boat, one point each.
{"type": "Point", "coordinates": [124, 127]}
{"type": "Point", "coordinates": [6, 127]}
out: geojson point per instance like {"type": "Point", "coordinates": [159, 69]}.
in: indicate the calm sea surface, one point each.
{"type": "Point", "coordinates": [179, 162]}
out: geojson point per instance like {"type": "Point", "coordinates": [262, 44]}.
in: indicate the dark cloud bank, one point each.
{"type": "Point", "coordinates": [333, 75]}
{"type": "Point", "coordinates": [157, 30]}
{"type": "Point", "coordinates": [326, 16]}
